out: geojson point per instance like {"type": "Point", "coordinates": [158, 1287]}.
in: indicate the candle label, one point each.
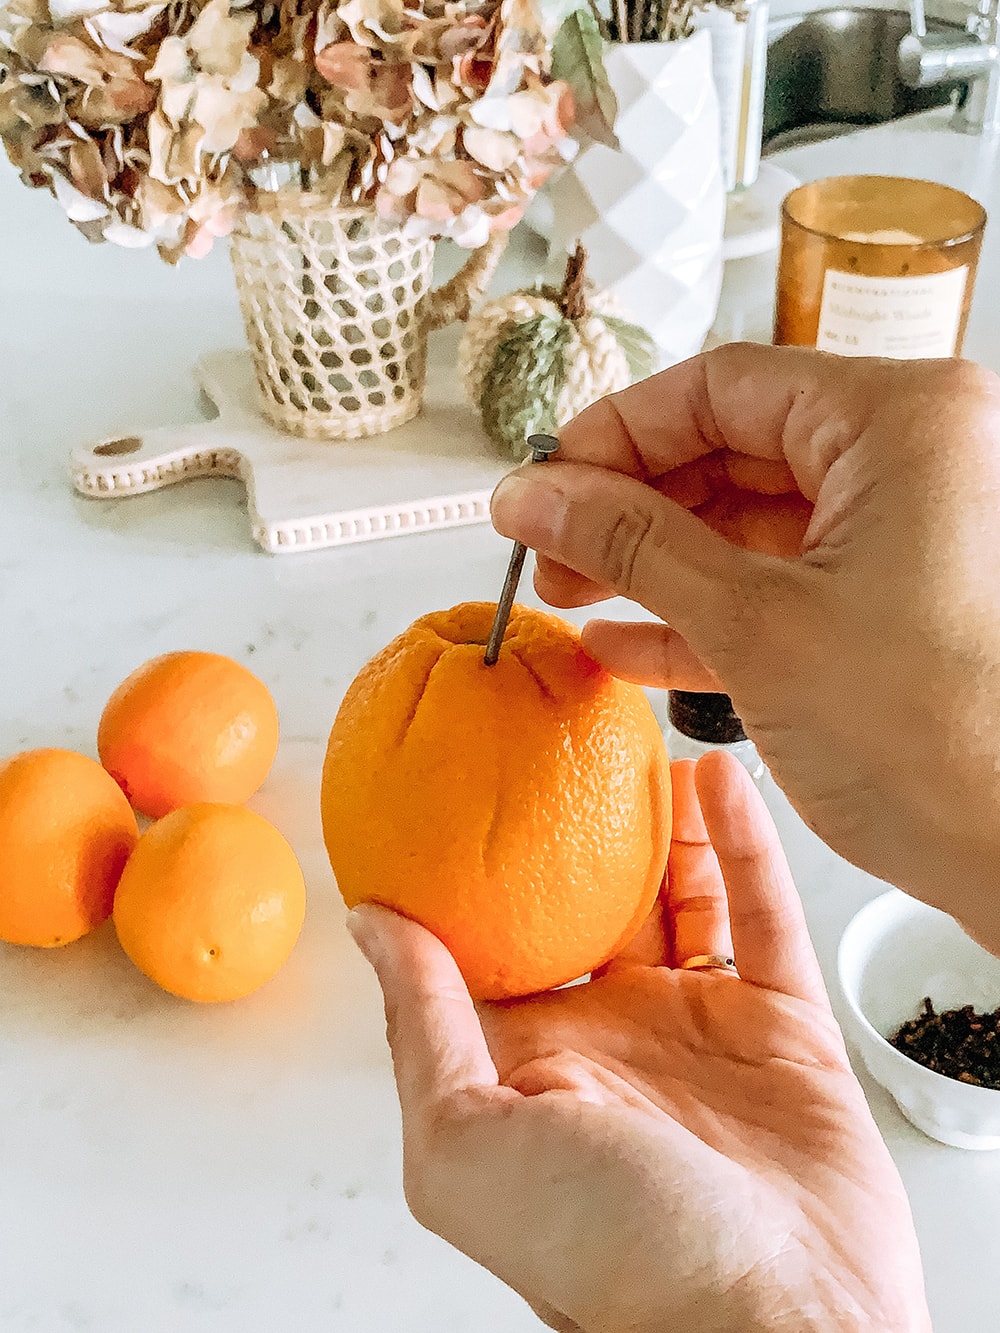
{"type": "Point", "coordinates": [896, 317]}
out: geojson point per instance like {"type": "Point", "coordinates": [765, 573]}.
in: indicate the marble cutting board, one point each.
{"type": "Point", "coordinates": [437, 471]}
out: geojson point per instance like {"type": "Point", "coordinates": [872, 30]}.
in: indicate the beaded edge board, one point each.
{"type": "Point", "coordinates": [435, 472]}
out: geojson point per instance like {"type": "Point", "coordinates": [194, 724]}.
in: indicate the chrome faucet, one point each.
{"type": "Point", "coordinates": [927, 58]}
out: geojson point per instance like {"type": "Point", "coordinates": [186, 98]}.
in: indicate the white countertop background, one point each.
{"type": "Point", "coordinates": [170, 1168]}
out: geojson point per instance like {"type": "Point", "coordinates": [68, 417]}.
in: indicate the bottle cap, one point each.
{"type": "Point", "coordinates": [705, 717]}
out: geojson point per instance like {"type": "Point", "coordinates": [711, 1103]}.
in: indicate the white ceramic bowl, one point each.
{"type": "Point", "coordinates": [893, 953]}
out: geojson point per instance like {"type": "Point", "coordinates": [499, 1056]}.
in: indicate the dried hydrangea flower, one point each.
{"type": "Point", "coordinates": [156, 123]}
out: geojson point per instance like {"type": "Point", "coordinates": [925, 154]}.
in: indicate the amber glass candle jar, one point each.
{"type": "Point", "coordinates": [877, 266]}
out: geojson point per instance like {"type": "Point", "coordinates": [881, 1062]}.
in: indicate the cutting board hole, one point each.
{"type": "Point", "coordinates": [128, 444]}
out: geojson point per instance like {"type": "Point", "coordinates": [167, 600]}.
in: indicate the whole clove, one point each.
{"type": "Point", "coordinates": [960, 1043]}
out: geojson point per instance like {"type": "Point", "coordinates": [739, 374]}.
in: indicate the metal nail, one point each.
{"type": "Point", "coordinates": [541, 446]}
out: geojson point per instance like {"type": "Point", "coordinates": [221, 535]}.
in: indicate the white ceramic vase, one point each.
{"type": "Point", "coordinates": [651, 213]}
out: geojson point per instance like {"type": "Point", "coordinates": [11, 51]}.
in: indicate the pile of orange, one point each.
{"type": "Point", "coordinates": [209, 901]}
{"type": "Point", "coordinates": [520, 811]}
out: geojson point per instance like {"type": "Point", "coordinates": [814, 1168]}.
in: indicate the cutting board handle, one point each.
{"type": "Point", "coordinates": [146, 461]}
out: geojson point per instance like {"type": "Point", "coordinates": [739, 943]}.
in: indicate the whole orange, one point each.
{"type": "Point", "coordinates": [211, 902]}
{"type": "Point", "coordinates": [66, 831]}
{"type": "Point", "coordinates": [188, 727]}
{"type": "Point", "coordinates": [520, 811]}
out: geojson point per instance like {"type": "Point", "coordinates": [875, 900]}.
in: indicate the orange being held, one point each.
{"type": "Point", "coordinates": [211, 902]}
{"type": "Point", "coordinates": [66, 831]}
{"type": "Point", "coordinates": [188, 727]}
{"type": "Point", "coordinates": [520, 811]}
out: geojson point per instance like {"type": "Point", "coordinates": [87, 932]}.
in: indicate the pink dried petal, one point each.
{"type": "Point", "coordinates": [65, 54]}
{"type": "Point", "coordinates": [508, 219]}
{"type": "Point", "coordinates": [390, 206]}
{"type": "Point", "coordinates": [461, 177]}
{"type": "Point", "coordinates": [345, 65]}
{"type": "Point", "coordinates": [435, 203]}
{"type": "Point", "coordinates": [403, 177]}
{"type": "Point", "coordinates": [391, 90]}
{"type": "Point", "coordinates": [198, 241]}
{"type": "Point", "coordinates": [131, 97]}
{"type": "Point", "coordinates": [563, 115]}
{"type": "Point", "coordinates": [536, 173]}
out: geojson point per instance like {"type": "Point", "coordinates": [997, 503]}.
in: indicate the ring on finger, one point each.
{"type": "Point", "coordinates": [710, 962]}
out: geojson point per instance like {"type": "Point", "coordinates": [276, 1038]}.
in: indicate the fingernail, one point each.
{"type": "Point", "coordinates": [362, 930]}
{"type": "Point", "coordinates": [527, 508]}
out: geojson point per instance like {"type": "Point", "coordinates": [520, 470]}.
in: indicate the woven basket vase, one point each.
{"type": "Point", "coordinates": [337, 306]}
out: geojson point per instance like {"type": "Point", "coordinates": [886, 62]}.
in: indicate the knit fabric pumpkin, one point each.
{"type": "Point", "coordinates": [535, 358]}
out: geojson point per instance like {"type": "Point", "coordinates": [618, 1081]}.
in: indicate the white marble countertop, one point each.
{"type": "Point", "coordinates": [172, 1168]}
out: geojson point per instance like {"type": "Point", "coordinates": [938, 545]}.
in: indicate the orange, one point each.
{"type": "Point", "coordinates": [519, 811]}
{"type": "Point", "coordinates": [211, 902]}
{"type": "Point", "coordinates": [188, 727]}
{"type": "Point", "coordinates": [66, 831]}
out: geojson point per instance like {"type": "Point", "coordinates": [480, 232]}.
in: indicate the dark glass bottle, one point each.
{"type": "Point", "coordinates": [700, 722]}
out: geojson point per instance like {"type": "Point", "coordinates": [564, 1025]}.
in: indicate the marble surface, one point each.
{"type": "Point", "coordinates": [179, 1169]}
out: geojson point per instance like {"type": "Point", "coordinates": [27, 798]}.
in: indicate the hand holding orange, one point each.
{"type": "Point", "coordinates": [520, 811]}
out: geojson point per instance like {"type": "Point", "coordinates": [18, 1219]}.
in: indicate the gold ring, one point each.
{"type": "Point", "coordinates": [709, 961]}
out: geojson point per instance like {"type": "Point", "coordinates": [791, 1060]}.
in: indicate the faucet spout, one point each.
{"type": "Point", "coordinates": [928, 58]}
{"type": "Point", "coordinates": [980, 111]}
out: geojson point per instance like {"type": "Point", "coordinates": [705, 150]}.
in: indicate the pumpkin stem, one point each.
{"type": "Point", "coordinates": [572, 299]}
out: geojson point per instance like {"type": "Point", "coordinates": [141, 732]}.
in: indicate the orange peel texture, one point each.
{"type": "Point", "coordinates": [521, 811]}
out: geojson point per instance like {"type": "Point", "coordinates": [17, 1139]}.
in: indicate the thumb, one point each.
{"type": "Point", "coordinates": [624, 536]}
{"type": "Point", "coordinates": [437, 1042]}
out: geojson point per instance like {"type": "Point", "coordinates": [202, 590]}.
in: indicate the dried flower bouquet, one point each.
{"type": "Point", "coordinates": [155, 124]}
{"type": "Point", "coordinates": [587, 30]}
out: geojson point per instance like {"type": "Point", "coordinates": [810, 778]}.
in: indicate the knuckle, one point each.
{"type": "Point", "coordinates": [623, 545]}
{"type": "Point", "coordinates": [419, 1196]}
{"type": "Point", "coordinates": [942, 391]}
{"type": "Point", "coordinates": [965, 377]}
